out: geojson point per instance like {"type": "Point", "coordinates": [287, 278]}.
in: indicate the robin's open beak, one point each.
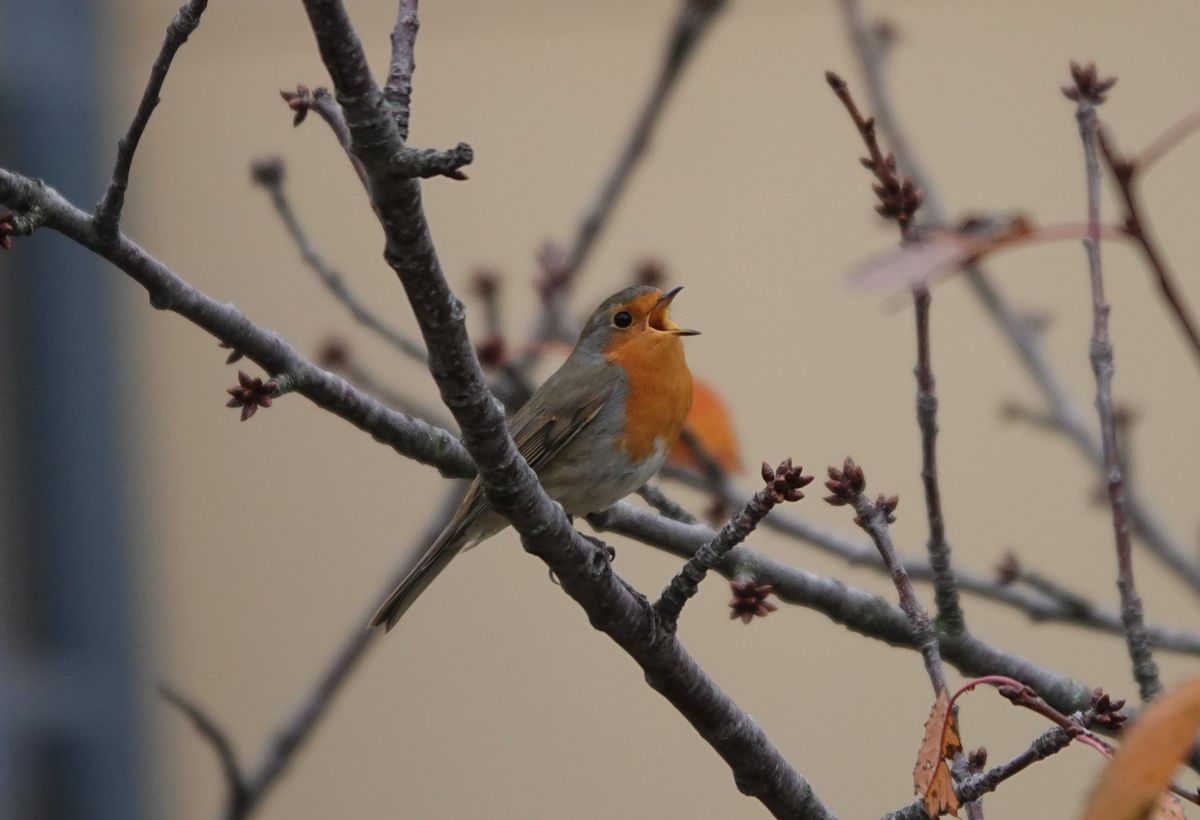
{"type": "Point", "coordinates": [660, 321]}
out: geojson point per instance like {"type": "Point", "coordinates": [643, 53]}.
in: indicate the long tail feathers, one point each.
{"type": "Point", "coordinates": [428, 566]}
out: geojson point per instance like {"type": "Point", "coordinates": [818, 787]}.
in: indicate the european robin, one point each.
{"type": "Point", "coordinates": [594, 432]}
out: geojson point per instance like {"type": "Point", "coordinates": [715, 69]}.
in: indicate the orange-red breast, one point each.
{"type": "Point", "coordinates": [594, 432]}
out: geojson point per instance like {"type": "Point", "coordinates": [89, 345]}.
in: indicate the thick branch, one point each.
{"type": "Point", "coordinates": [857, 552]}
{"type": "Point", "coordinates": [409, 436]}
{"type": "Point", "coordinates": [108, 211]}
{"type": "Point", "coordinates": [1089, 92]}
{"type": "Point", "coordinates": [513, 490]}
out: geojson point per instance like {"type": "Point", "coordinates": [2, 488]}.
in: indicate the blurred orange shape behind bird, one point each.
{"type": "Point", "coordinates": [710, 422]}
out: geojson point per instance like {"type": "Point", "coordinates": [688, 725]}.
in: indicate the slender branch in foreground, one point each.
{"type": "Point", "coordinates": [846, 487]}
{"type": "Point", "coordinates": [782, 484]}
{"type": "Point", "coordinates": [338, 357]}
{"type": "Point", "coordinates": [1126, 174]}
{"type": "Point", "coordinates": [108, 211]}
{"type": "Point", "coordinates": [1087, 92]}
{"type": "Point", "coordinates": [1167, 141]}
{"type": "Point", "coordinates": [398, 90]}
{"type": "Point", "coordinates": [855, 552]}
{"type": "Point", "coordinates": [269, 173]}
{"type": "Point", "coordinates": [411, 437]}
{"type": "Point", "coordinates": [899, 198]}
{"type": "Point", "coordinates": [582, 567]}
{"type": "Point", "coordinates": [1026, 342]}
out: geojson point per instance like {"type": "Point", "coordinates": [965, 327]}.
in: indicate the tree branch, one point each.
{"type": "Point", "coordinates": [108, 211]}
{"type": "Point", "coordinates": [210, 730]}
{"type": "Point", "coordinates": [1088, 91]}
{"type": "Point", "coordinates": [269, 174]}
{"type": "Point", "coordinates": [1126, 174]}
{"type": "Point", "coordinates": [783, 484]}
{"type": "Point", "coordinates": [398, 91]}
{"type": "Point", "coordinates": [899, 198]}
{"type": "Point", "coordinates": [512, 488]}
{"type": "Point", "coordinates": [409, 436]}
{"type": "Point", "coordinates": [1026, 344]}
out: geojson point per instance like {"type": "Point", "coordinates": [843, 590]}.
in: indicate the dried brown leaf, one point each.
{"type": "Point", "coordinates": [1131, 786]}
{"type": "Point", "coordinates": [931, 776]}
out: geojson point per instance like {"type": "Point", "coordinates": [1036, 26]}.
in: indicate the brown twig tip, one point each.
{"type": "Point", "coordinates": [267, 172]}
{"type": "Point", "coordinates": [486, 284]}
{"type": "Point", "coordinates": [300, 101]}
{"type": "Point", "coordinates": [234, 355]}
{"type": "Point", "coordinates": [333, 353]}
{"type": "Point", "coordinates": [492, 352]}
{"type": "Point", "coordinates": [1087, 84]}
{"type": "Point", "coordinates": [1106, 710]}
{"type": "Point", "coordinates": [977, 760]}
{"type": "Point", "coordinates": [785, 481]}
{"type": "Point", "coordinates": [1009, 569]}
{"type": "Point", "coordinates": [251, 394]}
{"type": "Point", "coordinates": [835, 82]}
{"type": "Point", "coordinates": [845, 485]}
{"type": "Point", "coordinates": [650, 272]}
{"type": "Point", "coordinates": [750, 600]}
{"type": "Point", "coordinates": [899, 196]}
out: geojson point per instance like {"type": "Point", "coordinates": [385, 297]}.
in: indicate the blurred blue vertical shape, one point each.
{"type": "Point", "coordinates": [69, 720]}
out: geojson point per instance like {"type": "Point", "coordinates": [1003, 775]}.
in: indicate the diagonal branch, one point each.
{"type": "Point", "coordinates": [899, 198]}
{"type": "Point", "coordinates": [270, 174]}
{"type": "Point", "coordinates": [783, 484]}
{"type": "Point", "coordinates": [1021, 335]}
{"type": "Point", "coordinates": [1088, 92]}
{"type": "Point", "coordinates": [1127, 174]}
{"type": "Point", "coordinates": [108, 211]}
{"type": "Point", "coordinates": [512, 488]}
{"type": "Point", "coordinates": [235, 782]}
{"type": "Point", "coordinates": [411, 437]}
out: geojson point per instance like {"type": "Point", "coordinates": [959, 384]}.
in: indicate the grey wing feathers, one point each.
{"type": "Point", "coordinates": [547, 423]}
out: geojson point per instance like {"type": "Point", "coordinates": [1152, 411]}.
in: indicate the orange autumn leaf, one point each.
{"type": "Point", "coordinates": [1131, 786]}
{"type": "Point", "coordinates": [931, 776]}
{"type": "Point", "coordinates": [710, 422]}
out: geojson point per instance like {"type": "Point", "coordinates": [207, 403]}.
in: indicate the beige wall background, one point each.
{"type": "Point", "coordinates": [265, 542]}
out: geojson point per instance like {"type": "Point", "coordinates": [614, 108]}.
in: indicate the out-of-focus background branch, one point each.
{"type": "Point", "coordinates": [251, 548]}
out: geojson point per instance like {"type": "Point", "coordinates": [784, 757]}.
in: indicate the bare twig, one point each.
{"type": "Point", "coordinates": [1167, 141]}
{"type": "Point", "coordinates": [338, 357]}
{"type": "Point", "coordinates": [1025, 341]}
{"type": "Point", "coordinates": [561, 268]}
{"type": "Point", "coordinates": [269, 173]}
{"type": "Point", "coordinates": [899, 198]}
{"type": "Point", "coordinates": [292, 736]}
{"type": "Point", "coordinates": [210, 730]}
{"type": "Point", "coordinates": [784, 483]}
{"type": "Point", "coordinates": [301, 101]}
{"type": "Point", "coordinates": [512, 488]}
{"type": "Point", "coordinates": [1088, 91]}
{"type": "Point", "coordinates": [409, 436]}
{"type": "Point", "coordinates": [108, 211]}
{"type": "Point", "coordinates": [1126, 174]}
{"type": "Point", "coordinates": [398, 90]}
{"type": "Point", "coordinates": [863, 553]}
{"type": "Point", "coordinates": [666, 505]}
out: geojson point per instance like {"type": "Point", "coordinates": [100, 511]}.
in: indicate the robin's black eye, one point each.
{"type": "Point", "coordinates": [623, 319]}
